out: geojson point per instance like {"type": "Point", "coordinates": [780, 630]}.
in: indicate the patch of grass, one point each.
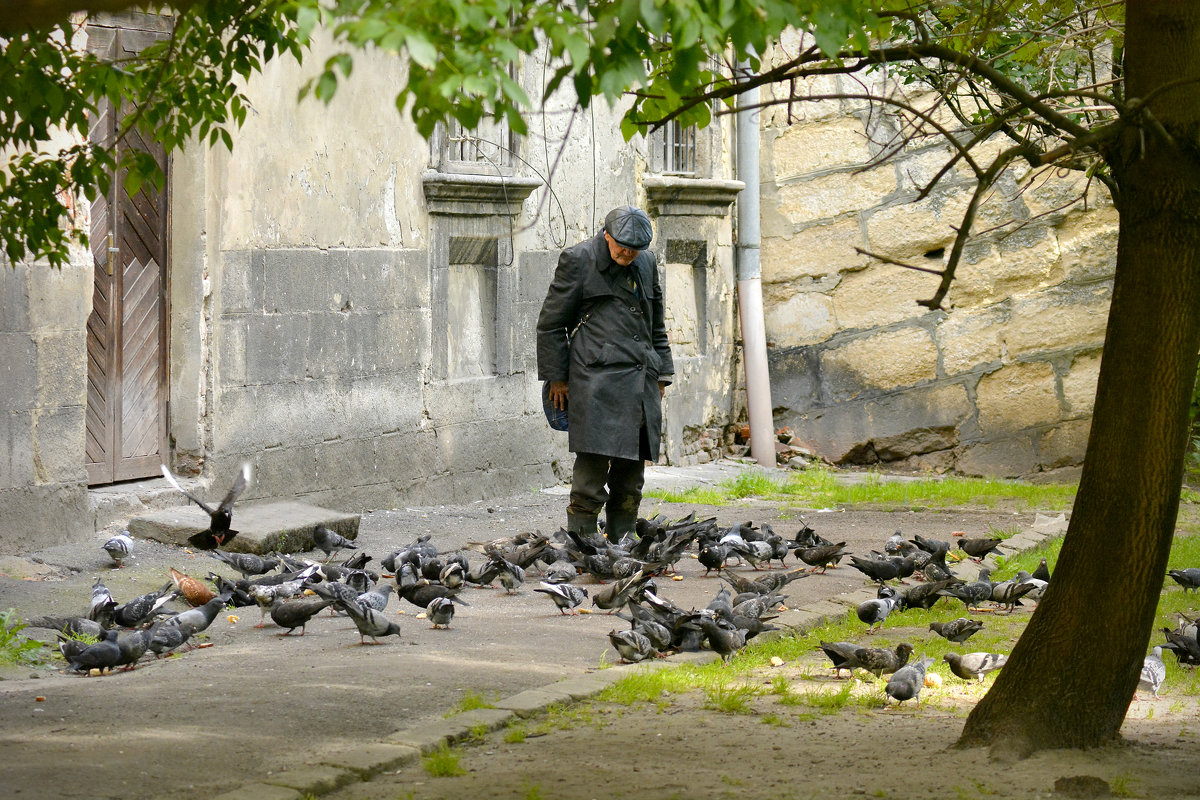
{"type": "Point", "coordinates": [650, 686]}
{"type": "Point", "coordinates": [560, 717]}
{"type": "Point", "coordinates": [781, 685]}
{"type": "Point", "coordinates": [774, 720]}
{"type": "Point", "coordinates": [822, 487]}
{"type": "Point", "coordinates": [1121, 786]}
{"type": "Point", "coordinates": [532, 791]}
{"type": "Point", "coordinates": [14, 647]}
{"type": "Point", "coordinates": [477, 733]}
{"type": "Point", "coordinates": [729, 698]}
{"type": "Point", "coordinates": [469, 701]}
{"type": "Point", "coordinates": [515, 734]}
{"type": "Point", "coordinates": [443, 763]}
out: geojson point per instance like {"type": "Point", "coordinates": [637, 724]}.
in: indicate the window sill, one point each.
{"type": "Point", "coordinates": [678, 196]}
{"type": "Point", "coordinates": [476, 195]}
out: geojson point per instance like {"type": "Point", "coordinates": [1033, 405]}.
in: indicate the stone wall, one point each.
{"type": "Point", "coordinates": [1001, 381]}
{"type": "Point", "coordinates": [43, 492]}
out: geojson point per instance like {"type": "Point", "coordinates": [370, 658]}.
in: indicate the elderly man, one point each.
{"type": "Point", "coordinates": [602, 348]}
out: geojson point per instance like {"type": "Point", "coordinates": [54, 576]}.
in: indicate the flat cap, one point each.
{"type": "Point", "coordinates": [629, 227]}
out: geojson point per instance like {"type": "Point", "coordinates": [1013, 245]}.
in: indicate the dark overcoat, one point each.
{"type": "Point", "coordinates": [602, 331]}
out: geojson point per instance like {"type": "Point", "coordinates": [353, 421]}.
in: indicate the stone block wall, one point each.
{"type": "Point", "coordinates": [1000, 381]}
{"type": "Point", "coordinates": [43, 492]}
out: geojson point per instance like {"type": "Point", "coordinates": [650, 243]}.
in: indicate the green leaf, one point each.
{"type": "Point", "coordinates": [421, 49]}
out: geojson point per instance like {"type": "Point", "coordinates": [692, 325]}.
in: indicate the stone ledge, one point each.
{"type": "Point", "coordinates": [260, 791]}
{"type": "Point", "coordinates": [283, 527]}
{"type": "Point", "coordinates": [312, 780]}
{"type": "Point", "coordinates": [432, 735]}
{"type": "Point", "coordinates": [476, 195]}
{"type": "Point", "coordinates": [677, 196]}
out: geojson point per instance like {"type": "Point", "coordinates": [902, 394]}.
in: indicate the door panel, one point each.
{"type": "Point", "coordinates": [126, 336]}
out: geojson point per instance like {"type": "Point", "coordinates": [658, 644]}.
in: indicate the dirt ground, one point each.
{"type": "Point", "coordinates": [682, 747]}
{"type": "Point", "coordinates": [212, 720]}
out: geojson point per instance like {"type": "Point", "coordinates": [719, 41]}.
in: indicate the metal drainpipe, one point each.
{"type": "Point", "coordinates": [749, 282]}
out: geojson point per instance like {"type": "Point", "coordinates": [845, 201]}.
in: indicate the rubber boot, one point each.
{"type": "Point", "coordinates": [617, 525]}
{"type": "Point", "coordinates": [582, 523]}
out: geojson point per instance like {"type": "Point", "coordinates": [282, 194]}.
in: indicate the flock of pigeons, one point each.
{"type": "Point", "coordinates": [292, 591]}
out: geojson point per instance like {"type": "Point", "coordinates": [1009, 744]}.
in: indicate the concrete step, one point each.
{"type": "Point", "coordinates": [113, 506]}
{"type": "Point", "coordinates": [283, 527]}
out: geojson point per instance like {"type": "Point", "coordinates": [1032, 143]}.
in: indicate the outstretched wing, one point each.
{"type": "Point", "coordinates": [171, 479]}
{"type": "Point", "coordinates": [239, 486]}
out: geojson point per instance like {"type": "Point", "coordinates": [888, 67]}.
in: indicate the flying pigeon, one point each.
{"type": "Point", "coordinates": [973, 666]}
{"type": "Point", "coordinates": [220, 518]}
{"type": "Point", "coordinates": [119, 548]}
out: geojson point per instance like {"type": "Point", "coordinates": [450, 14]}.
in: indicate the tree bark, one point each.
{"type": "Point", "coordinates": [1071, 676]}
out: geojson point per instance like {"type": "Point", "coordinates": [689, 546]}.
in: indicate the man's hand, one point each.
{"type": "Point", "coordinates": [558, 395]}
{"type": "Point", "coordinates": [662, 389]}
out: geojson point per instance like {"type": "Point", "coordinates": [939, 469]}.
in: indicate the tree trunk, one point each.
{"type": "Point", "coordinates": [1071, 676]}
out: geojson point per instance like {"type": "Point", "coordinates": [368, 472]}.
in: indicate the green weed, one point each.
{"type": "Point", "coordinates": [469, 701]}
{"type": "Point", "coordinates": [729, 698]}
{"type": "Point", "coordinates": [14, 647]}
{"type": "Point", "coordinates": [515, 734]}
{"type": "Point", "coordinates": [443, 763]}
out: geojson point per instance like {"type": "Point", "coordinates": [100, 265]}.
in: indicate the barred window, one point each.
{"type": "Point", "coordinates": [677, 149]}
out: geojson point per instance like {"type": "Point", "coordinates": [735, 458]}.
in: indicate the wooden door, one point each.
{"type": "Point", "coordinates": [126, 332]}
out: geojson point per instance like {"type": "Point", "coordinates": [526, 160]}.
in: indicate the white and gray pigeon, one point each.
{"type": "Point", "coordinates": [1039, 585]}
{"type": "Point", "coordinates": [103, 605]}
{"type": "Point", "coordinates": [973, 666]}
{"type": "Point", "coordinates": [377, 598]}
{"type": "Point", "coordinates": [874, 612]}
{"type": "Point", "coordinates": [1154, 672]}
{"type": "Point", "coordinates": [119, 548]}
{"type": "Point", "coordinates": [565, 595]}
{"type": "Point", "coordinates": [906, 683]}
{"type": "Point", "coordinates": [440, 612]}
{"type": "Point", "coordinates": [631, 645]}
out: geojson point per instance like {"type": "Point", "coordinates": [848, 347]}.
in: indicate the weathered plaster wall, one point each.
{"type": "Point", "coordinates": [998, 383]}
{"type": "Point", "coordinates": [321, 315]}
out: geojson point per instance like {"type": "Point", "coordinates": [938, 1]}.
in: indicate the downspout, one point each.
{"type": "Point", "coordinates": [749, 280]}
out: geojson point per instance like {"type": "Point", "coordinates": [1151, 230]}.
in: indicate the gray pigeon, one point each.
{"type": "Point", "coordinates": [103, 605]}
{"type": "Point", "coordinates": [726, 641]}
{"type": "Point", "coordinates": [329, 542]}
{"type": "Point", "coordinates": [142, 607]}
{"type": "Point", "coordinates": [440, 611]}
{"type": "Point", "coordinates": [1154, 672]}
{"type": "Point", "coordinates": [378, 597]}
{"type": "Point", "coordinates": [82, 657]}
{"type": "Point", "coordinates": [631, 645]}
{"type": "Point", "coordinates": [119, 548]}
{"type": "Point", "coordinates": [973, 593]}
{"type": "Point", "coordinates": [843, 655]}
{"type": "Point", "coordinates": [370, 622]}
{"type": "Point", "coordinates": [879, 661]}
{"type": "Point", "coordinates": [874, 612]}
{"type": "Point", "coordinates": [907, 682]}
{"type": "Point", "coordinates": [565, 596]}
{"type": "Point", "coordinates": [973, 666]}
{"type": "Point", "coordinates": [957, 630]}
{"type": "Point", "coordinates": [246, 563]}
{"type": "Point", "coordinates": [1187, 578]}
{"type": "Point", "coordinates": [292, 614]}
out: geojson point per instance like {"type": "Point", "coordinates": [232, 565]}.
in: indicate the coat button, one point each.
{"type": "Point", "coordinates": [633, 308]}
{"type": "Point", "coordinates": [637, 338]}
